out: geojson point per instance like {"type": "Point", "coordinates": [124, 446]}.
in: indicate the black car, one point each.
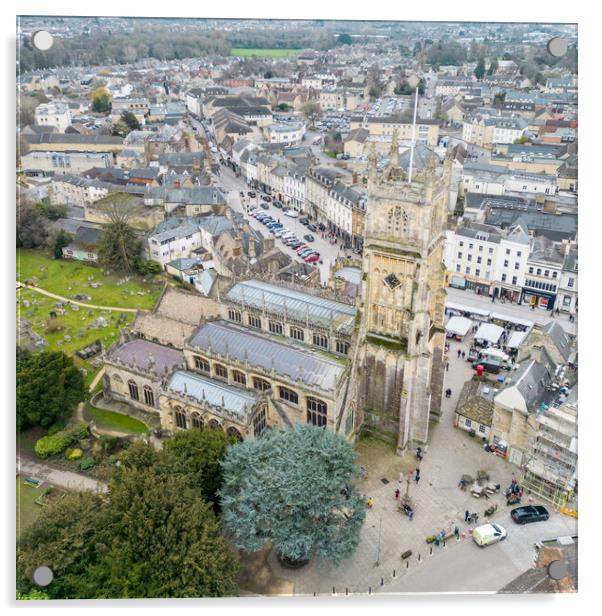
{"type": "Point", "coordinates": [277, 204]}
{"type": "Point", "coordinates": [304, 221]}
{"type": "Point", "coordinates": [312, 228]}
{"type": "Point", "coordinates": [267, 198]}
{"type": "Point", "coordinates": [308, 238]}
{"type": "Point", "coordinates": [529, 513]}
{"type": "Point", "coordinates": [252, 194]}
{"type": "Point", "coordinates": [265, 206]}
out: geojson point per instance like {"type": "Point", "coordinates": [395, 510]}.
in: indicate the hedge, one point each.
{"type": "Point", "coordinates": [53, 444]}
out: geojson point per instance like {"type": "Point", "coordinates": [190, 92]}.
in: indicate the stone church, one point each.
{"type": "Point", "coordinates": [266, 354]}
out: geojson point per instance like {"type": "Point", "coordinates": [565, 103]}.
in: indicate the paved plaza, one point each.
{"type": "Point", "coordinates": [438, 504]}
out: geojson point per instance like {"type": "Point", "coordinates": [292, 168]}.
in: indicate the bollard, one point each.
{"type": "Point", "coordinates": [407, 564]}
{"type": "Point", "coordinates": [346, 592]}
{"type": "Point", "coordinates": [334, 592]}
{"type": "Point", "coordinates": [444, 544]}
{"type": "Point", "coordinates": [394, 576]}
{"type": "Point", "coordinates": [369, 590]}
{"type": "Point", "coordinates": [419, 558]}
{"type": "Point", "coordinates": [431, 552]}
{"type": "Point", "coordinates": [382, 581]}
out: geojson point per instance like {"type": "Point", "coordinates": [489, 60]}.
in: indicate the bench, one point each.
{"type": "Point", "coordinates": [32, 481]}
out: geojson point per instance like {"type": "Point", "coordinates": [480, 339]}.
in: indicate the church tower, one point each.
{"type": "Point", "coordinates": [403, 300]}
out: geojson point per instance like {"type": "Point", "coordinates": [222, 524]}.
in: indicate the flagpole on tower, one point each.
{"type": "Point", "coordinates": [413, 144]}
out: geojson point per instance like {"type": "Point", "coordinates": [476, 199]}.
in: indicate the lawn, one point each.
{"type": "Point", "coordinates": [72, 330]}
{"type": "Point", "coordinates": [68, 278]}
{"type": "Point", "coordinates": [27, 510]}
{"type": "Point", "coordinates": [110, 420]}
{"type": "Point", "coordinates": [263, 53]}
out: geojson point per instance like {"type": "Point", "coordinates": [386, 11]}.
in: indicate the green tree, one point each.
{"type": "Point", "coordinates": [344, 39]}
{"type": "Point", "coordinates": [417, 48]}
{"type": "Point", "coordinates": [33, 595]}
{"type": "Point", "coordinates": [200, 453]}
{"type": "Point", "coordinates": [312, 111]}
{"type": "Point", "coordinates": [101, 100]}
{"type": "Point", "coordinates": [522, 139]}
{"type": "Point", "coordinates": [32, 226]}
{"type": "Point", "coordinates": [295, 488]}
{"type": "Point", "coordinates": [120, 248]}
{"type": "Point", "coordinates": [61, 240]}
{"type": "Point", "coordinates": [129, 119]}
{"type": "Point", "coordinates": [145, 267]}
{"type": "Point", "coordinates": [49, 387]}
{"type": "Point", "coordinates": [480, 69]}
{"type": "Point", "coordinates": [149, 536]}
{"type": "Point", "coordinates": [493, 67]}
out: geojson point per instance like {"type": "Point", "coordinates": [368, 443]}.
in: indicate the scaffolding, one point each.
{"type": "Point", "coordinates": [551, 471]}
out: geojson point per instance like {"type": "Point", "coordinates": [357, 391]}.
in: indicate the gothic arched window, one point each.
{"type": "Point", "coordinates": [197, 421]}
{"type": "Point", "coordinates": [232, 431]}
{"type": "Point", "coordinates": [133, 387]}
{"type": "Point", "coordinates": [149, 396]}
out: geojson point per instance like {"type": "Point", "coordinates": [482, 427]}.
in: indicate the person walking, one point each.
{"type": "Point", "coordinates": [459, 353]}
{"type": "Point", "coordinates": [463, 354]}
{"type": "Point", "coordinates": [457, 533]}
{"type": "Point", "coordinates": [447, 366]}
{"type": "Point", "coordinates": [397, 494]}
{"type": "Point", "coordinates": [417, 476]}
{"type": "Point", "coordinates": [466, 515]}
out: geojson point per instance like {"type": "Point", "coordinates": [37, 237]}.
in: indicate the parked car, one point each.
{"type": "Point", "coordinates": [291, 213]}
{"type": "Point", "coordinates": [313, 257]}
{"type": "Point", "coordinates": [307, 251]}
{"type": "Point", "coordinates": [308, 238]}
{"type": "Point", "coordinates": [488, 534]}
{"type": "Point", "coordinates": [294, 245]}
{"type": "Point", "coordinates": [312, 228]}
{"type": "Point", "coordinates": [252, 194]}
{"type": "Point", "coordinates": [267, 198]}
{"type": "Point", "coordinates": [265, 206]}
{"type": "Point", "coordinates": [304, 221]}
{"type": "Point", "coordinates": [529, 513]}
{"type": "Point", "coordinates": [300, 248]}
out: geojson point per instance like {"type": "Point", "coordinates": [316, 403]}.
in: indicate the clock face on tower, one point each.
{"type": "Point", "coordinates": [392, 281]}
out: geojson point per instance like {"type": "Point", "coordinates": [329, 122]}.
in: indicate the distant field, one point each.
{"type": "Point", "coordinates": [264, 53]}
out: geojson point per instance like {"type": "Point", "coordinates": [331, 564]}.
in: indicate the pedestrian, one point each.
{"type": "Point", "coordinates": [457, 533]}
{"type": "Point", "coordinates": [417, 476]}
{"type": "Point", "coordinates": [447, 366]}
{"type": "Point", "coordinates": [463, 354]}
{"type": "Point", "coordinates": [397, 494]}
{"type": "Point", "coordinates": [459, 353]}
{"type": "Point", "coordinates": [466, 515]}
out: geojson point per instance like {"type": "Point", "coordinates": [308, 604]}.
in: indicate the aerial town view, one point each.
{"type": "Point", "coordinates": [297, 308]}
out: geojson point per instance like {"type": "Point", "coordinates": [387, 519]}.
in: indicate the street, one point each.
{"type": "Point", "coordinates": [233, 185]}
{"type": "Point", "coordinates": [438, 504]}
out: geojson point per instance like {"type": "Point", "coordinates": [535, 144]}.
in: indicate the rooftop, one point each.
{"type": "Point", "coordinates": [238, 401]}
{"type": "Point", "coordinates": [300, 306]}
{"type": "Point", "coordinates": [268, 353]}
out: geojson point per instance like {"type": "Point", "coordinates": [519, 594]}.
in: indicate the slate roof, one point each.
{"type": "Point", "coordinates": [138, 353]}
{"type": "Point", "coordinates": [238, 401]}
{"type": "Point", "coordinates": [72, 138]}
{"type": "Point", "coordinates": [268, 353]}
{"type": "Point", "coordinates": [87, 236]}
{"type": "Point", "coordinates": [203, 195]}
{"type": "Point", "coordinates": [559, 337]}
{"type": "Point", "coordinates": [476, 402]}
{"type": "Point", "coordinates": [316, 310]}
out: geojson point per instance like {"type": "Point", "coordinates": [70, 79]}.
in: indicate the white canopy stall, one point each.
{"type": "Point", "coordinates": [516, 339]}
{"type": "Point", "coordinates": [488, 333]}
{"type": "Point", "coordinates": [458, 326]}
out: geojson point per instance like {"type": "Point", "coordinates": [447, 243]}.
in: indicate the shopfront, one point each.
{"type": "Point", "coordinates": [477, 285]}
{"type": "Point", "coordinates": [538, 299]}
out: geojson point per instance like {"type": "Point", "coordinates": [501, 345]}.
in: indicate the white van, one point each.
{"type": "Point", "coordinates": [488, 533]}
{"type": "Point", "coordinates": [497, 354]}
